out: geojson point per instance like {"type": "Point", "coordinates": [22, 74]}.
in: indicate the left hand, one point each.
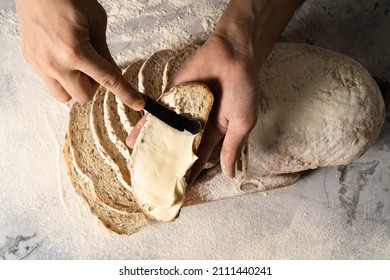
{"type": "Point", "coordinates": [232, 77]}
{"type": "Point", "coordinates": [229, 63]}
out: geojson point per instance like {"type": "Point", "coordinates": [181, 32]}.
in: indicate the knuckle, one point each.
{"type": "Point", "coordinates": [252, 122]}
{"type": "Point", "coordinates": [29, 56]}
{"type": "Point", "coordinates": [111, 81]}
{"type": "Point", "coordinates": [71, 54]}
{"type": "Point", "coordinates": [41, 58]}
{"type": "Point", "coordinates": [47, 64]}
{"type": "Point", "coordinates": [228, 151]}
{"type": "Point", "coordinates": [248, 123]}
{"type": "Point", "coordinates": [62, 98]}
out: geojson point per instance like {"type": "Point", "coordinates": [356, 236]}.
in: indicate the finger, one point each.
{"type": "Point", "coordinates": [55, 88]}
{"type": "Point", "coordinates": [130, 141]}
{"type": "Point", "coordinates": [211, 137]}
{"type": "Point", "coordinates": [79, 86]}
{"type": "Point", "coordinates": [106, 74]}
{"type": "Point", "coordinates": [232, 147]}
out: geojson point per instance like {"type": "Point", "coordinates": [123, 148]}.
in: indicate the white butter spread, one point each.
{"type": "Point", "coordinates": [161, 162]}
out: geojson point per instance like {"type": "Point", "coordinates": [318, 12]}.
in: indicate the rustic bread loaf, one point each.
{"type": "Point", "coordinates": [318, 108]}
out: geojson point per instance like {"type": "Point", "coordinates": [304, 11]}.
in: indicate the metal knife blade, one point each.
{"type": "Point", "coordinates": [172, 118]}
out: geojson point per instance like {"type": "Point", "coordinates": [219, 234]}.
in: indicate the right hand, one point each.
{"type": "Point", "coordinates": [65, 41]}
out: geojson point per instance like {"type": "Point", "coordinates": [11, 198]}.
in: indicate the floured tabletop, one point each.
{"type": "Point", "coordinates": [340, 212]}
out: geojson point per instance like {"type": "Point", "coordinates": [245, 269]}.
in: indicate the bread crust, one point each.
{"type": "Point", "coordinates": [325, 118]}
{"type": "Point", "coordinates": [119, 120]}
{"type": "Point", "coordinates": [174, 63]}
{"type": "Point", "coordinates": [128, 117]}
{"type": "Point", "coordinates": [151, 72]}
{"type": "Point", "coordinates": [89, 176]}
{"type": "Point", "coordinates": [116, 221]}
{"type": "Point", "coordinates": [188, 111]}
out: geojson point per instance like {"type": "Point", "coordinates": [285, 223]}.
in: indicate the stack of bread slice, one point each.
{"type": "Point", "coordinates": [317, 108]}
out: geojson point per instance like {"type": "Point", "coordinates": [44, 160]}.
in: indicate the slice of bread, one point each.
{"type": "Point", "coordinates": [107, 150]}
{"type": "Point", "coordinates": [106, 186]}
{"type": "Point", "coordinates": [175, 62]}
{"type": "Point", "coordinates": [117, 127]}
{"type": "Point", "coordinates": [193, 100]}
{"type": "Point", "coordinates": [127, 116]}
{"type": "Point", "coordinates": [150, 74]}
{"type": "Point", "coordinates": [120, 222]}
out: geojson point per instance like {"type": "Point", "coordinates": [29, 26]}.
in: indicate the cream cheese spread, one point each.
{"type": "Point", "coordinates": [163, 158]}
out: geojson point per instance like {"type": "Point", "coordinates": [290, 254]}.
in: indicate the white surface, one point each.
{"type": "Point", "coordinates": [332, 213]}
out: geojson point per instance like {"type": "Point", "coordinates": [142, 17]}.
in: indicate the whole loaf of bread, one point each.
{"type": "Point", "coordinates": [317, 108]}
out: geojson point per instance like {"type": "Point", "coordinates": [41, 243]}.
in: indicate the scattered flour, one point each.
{"type": "Point", "coordinates": [8, 23]}
{"type": "Point", "coordinates": [163, 24]}
{"type": "Point", "coordinates": [41, 218]}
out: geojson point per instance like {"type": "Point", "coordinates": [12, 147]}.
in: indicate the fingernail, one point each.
{"type": "Point", "coordinates": [225, 171]}
{"type": "Point", "coordinates": [139, 105]}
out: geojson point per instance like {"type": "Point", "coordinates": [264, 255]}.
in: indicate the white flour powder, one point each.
{"type": "Point", "coordinates": [42, 218]}
{"type": "Point", "coordinates": [162, 24]}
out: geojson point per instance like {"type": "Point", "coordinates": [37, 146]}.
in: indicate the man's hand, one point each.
{"type": "Point", "coordinates": [232, 77]}
{"type": "Point", "coordinates": [229, 63]}
{"type": "Point", "coordinates": [65, 41]}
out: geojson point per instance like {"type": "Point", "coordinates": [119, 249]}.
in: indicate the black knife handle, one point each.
{"type": "Point", "coordinates": [172, 118]}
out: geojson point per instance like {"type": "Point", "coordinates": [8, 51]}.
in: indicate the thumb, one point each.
{"type": "Point", "coordinates": [130, 141]}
